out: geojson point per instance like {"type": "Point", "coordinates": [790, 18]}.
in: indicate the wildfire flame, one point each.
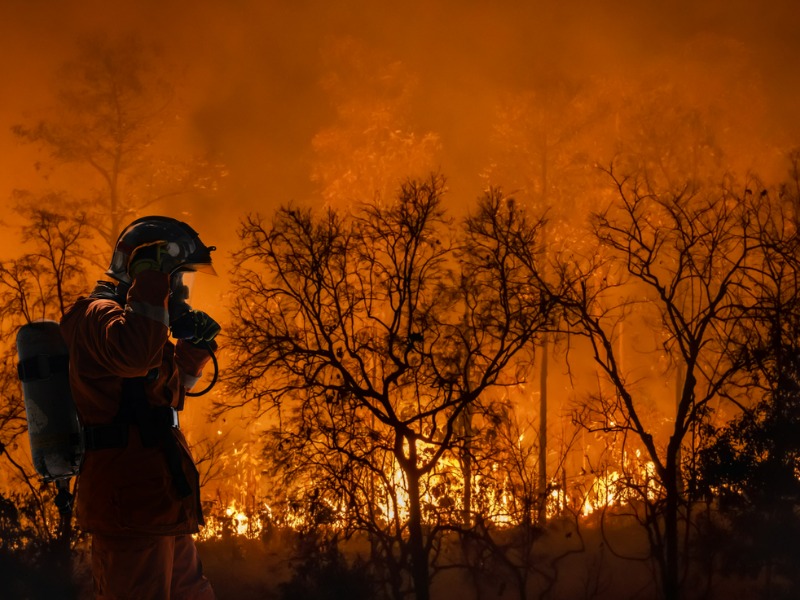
{"type": "Point", "coordinates": [239, 511]}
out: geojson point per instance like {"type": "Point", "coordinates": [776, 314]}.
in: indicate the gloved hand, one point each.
{"type": "Point", "coordinates": [195, 326]}
{"type": "Point", "coordinates": [153, 257]}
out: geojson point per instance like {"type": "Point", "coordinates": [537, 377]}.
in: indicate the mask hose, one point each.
{"type": "Point", "coordinates": [213, 382]}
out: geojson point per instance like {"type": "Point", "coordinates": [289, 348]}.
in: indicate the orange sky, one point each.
{"type": "Point", "coordinates": [250, 70]}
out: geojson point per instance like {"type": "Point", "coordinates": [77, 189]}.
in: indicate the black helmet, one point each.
{"type": "Point", "coordinates": [183, 244]}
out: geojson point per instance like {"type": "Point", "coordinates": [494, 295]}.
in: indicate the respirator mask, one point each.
{"type": "Point", "coordinates": [188, 324]}
{"type": "Point", "coordinates": [181, 322]}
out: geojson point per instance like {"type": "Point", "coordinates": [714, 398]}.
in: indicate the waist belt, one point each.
{"type": "Point", "coordinates": [102, 437]}
{"type": "Point", "coordinates": [115, 435]}
{"type": "Point", "coordinates": [155, 424]}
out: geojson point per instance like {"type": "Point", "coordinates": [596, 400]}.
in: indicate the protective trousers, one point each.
{"type": "Point", "coordinates": [148, 568]}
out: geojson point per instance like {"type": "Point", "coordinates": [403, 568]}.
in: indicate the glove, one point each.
{"type": "Point", "coordinates": [152, 257]}
{"type": "Point", "coordinates": [195, 326]}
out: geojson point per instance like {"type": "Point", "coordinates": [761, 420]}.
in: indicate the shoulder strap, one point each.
{"type": "Point", "coordinates": [155, 425]}
{"type": "Point", "coordinates": [118, 292]}
{"type": "Point", "coordinates": [42, 366]}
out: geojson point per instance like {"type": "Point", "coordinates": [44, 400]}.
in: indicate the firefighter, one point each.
{"type": "Point", "coordinates": [138, 489]}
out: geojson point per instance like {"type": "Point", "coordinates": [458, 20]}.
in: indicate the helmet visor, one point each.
{"type": "Point", "coordinates": [199, 258]}
{"type": "Point", "coordinates": [207, 268]}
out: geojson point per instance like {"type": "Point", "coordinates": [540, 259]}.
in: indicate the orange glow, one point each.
{"type": "Point", "coordinates": [235, 522]}
{"type": "Point", "coordinates": [442, 491]}
{"type": "Point", "coordinates": [254, 104]}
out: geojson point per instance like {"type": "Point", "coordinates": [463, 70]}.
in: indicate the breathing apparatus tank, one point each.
{"type": "Point", "coordinates": [53, 425]}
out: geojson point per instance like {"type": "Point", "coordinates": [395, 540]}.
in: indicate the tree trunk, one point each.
{"type": "Point", "coordinates": [466, 469]}
{"type": "Point", "coordinates": [680, 380]}
{"type": "Point", "coordinates": [416, 542]}
{"type": "Point", "coordinates": [542, 513]}
{"type": "Point", "coordinates": [671, 574]}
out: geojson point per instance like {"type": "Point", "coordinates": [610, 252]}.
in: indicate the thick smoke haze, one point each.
{"type": "Point", "coordinates": [331, 101]}
{"type": "Point", "coordinates": [250, 75]}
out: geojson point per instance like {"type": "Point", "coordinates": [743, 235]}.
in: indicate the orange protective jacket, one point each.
{"type": "Point", "coordinates": [129, 490]}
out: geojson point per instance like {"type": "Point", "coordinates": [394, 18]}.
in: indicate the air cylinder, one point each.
{"type": "Point", "coordinates": [53, 425]}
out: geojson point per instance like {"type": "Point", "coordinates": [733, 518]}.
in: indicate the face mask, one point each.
{"type": "Point", "coordinates": [180, 285]}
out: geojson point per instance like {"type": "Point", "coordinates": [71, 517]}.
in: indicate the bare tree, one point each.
{"type": "Point", "coordinates": [373, 333]}
{"type": "Point", "coordinates": [547, 140]}
{"type": "Point", "coordinates": [114, 104]}
{"type": "Point", "coordinates": [686, 260]}
{"type": "Point", "coordinates": [750, 463]}
{"type": "Point", "coordinates": [38, 284]}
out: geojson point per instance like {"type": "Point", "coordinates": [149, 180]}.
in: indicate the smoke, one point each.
{"type": "Point", "coordinates": [251, 75]}
{"type": "Point", "coordinates": [249, 72]}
